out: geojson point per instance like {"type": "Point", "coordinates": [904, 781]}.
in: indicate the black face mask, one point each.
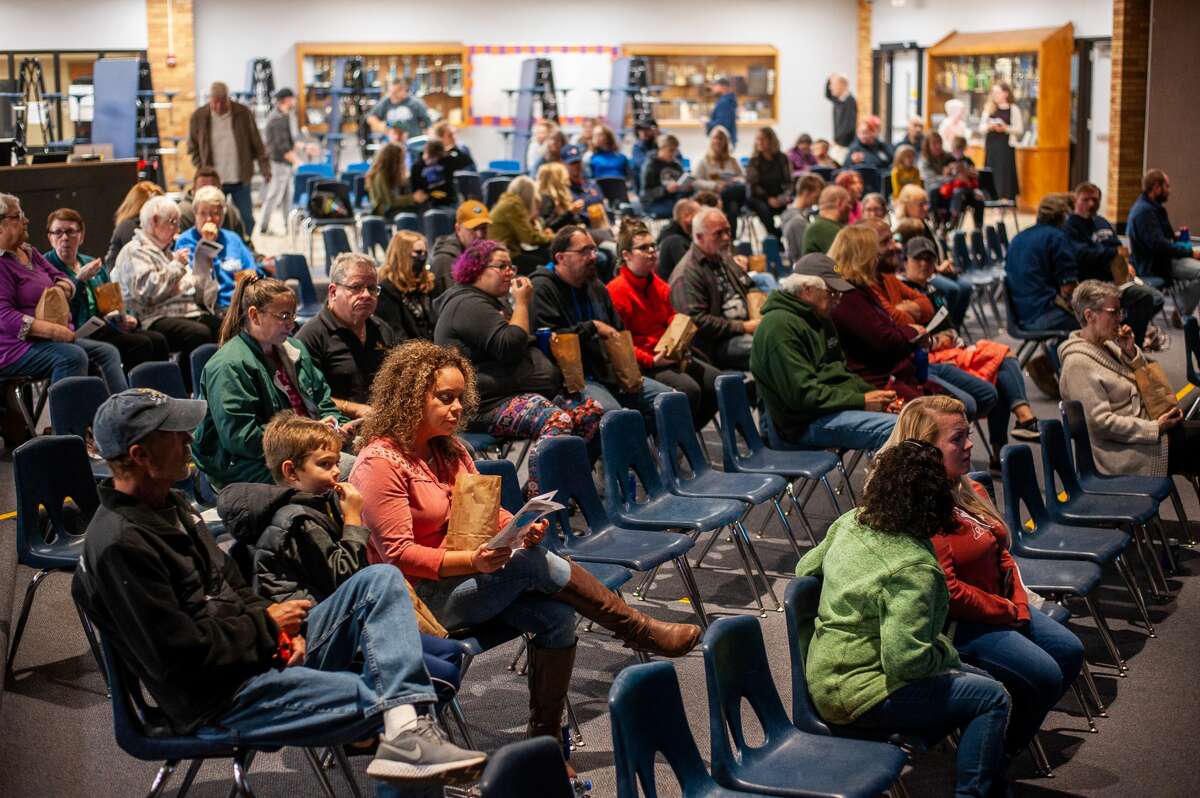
{"type": "Point", "coordinates": [418, 261]}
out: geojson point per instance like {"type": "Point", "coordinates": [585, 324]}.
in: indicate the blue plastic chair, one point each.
{"type": "Point", "coordinates": [1133, 514]}
{"type": "Point", "coordinates": [290, 267]}
{"type": "Point", "coordinates": [437, 222]}
{"type": "Point", "coordinates": [203, 353]}
{"type": "Point", "coordinates": [468, 185]}
{"type": "Point", "coordinates": [646, 711]}
{"type": "Point", "coordinates": [789, 761]}
{"type": "Point", "coordinates": [1191, 346]}
{"type": "Point", "coordinates": [160, 375]}
{"type": "Point", "coordinates": [336, 243]}
{"type": "Point", "coordinates": [562, 465]}
{"type": "Point", "coordinates": [739, 431]}
{"type": "Point", "coordinates": [627, 461]}
{"type": "Point", "coordinates": [73, 404]}
{"type": "Point", "coordinates": [407, 220]}
{"type": "Point", "coordinates": [493, 188]}
{"type": "Point", "coordinates": [1051, 540]}
{"type": "Point", "coordinates": [49, 472]}
{"type": "Point", "coordinates": [511, 167]}
{"type": "Point", "coordinates": [871, 179]}
{"type": "Point", "coordinates": [774, 255]}
{"type": "Point", "coordinates": [1031, 340]}
{"type": "Point", "coordinates": [529, 767]}
{"type": "Point", "coordinates": [995, 247]}
{"type": "Point", "coordinates": [375, 235]}
{"type": "Point", "coordinates": [979, 276]}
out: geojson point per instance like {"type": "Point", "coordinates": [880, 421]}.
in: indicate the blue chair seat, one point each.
{"type": "Point", "coordinates": [789, 463]}
{"type": "Point", "coordinates": [750, 488]}
{"type": "Point", "coordinates": [1056, 612]}
{"type": "Point", "coordinates": [1158, 488]}
{"type": "Point", "coordinates": [1069, 577]}
{"type": "Point", "coordinates": [680, 512]}
{"type": "Point", "coordinates": [479, 441]}
{"type": "Point", "coordinates": [1059, 541]}
{"type": "Point", "coordinates": [1096, 508]}
{"type": "Point", "coordinates": [610, 575]}
{"type": "Point", "coordinates": [819, 766]}
{"type": "Point", "coordinates": [627, 548]}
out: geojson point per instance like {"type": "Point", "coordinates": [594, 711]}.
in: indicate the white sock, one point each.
{"type": "Point", "coordinates": [398, 719]}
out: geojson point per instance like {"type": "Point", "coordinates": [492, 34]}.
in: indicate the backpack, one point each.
{"type": "Point", "coordinates": [328, 205]}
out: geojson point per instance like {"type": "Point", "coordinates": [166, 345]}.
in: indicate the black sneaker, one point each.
{"type": "Point", "coordinates": [421, 753]}
{"type": "Point", "coordinates": [1026, 431]}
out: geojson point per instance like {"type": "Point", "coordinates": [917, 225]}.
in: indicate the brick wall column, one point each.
{"type": "Point", "coordinates": [864, 87]}
{"type": "Point", "coordinates": [1127, 126]}
{"type": "Point", "coordinates": [172, 41]}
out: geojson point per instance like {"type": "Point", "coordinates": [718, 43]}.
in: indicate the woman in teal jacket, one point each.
{"type": "Point", "coordinates": [879, 659]}
{"type": "Point", "coordinates": [258, 371]}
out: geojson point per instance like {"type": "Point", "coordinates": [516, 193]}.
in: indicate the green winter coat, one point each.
{"type": "Point", "coordinates": [799, 366]}
{"type": "Point", "coordinates": [239, 386]}
{"type": "Point", "coordinates": [880, 619]}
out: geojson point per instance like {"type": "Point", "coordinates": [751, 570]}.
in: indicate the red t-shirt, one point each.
{"type": "Point", "coordinates": [644, 305]}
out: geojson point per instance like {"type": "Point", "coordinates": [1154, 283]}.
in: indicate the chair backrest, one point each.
{"type": "Point", "coordinates": [561, 463]}
{"type": "Point", "coordinates": [774, 254]}
{"type": "Point", "coordinates": [47, 471]}
{"type": "Point", "coordinates": [1002, 231]}
{"type": "Point", "coordinates": [885, 187]}
{"type": "Point", "coordinates": [357, 167]}
{"type": "Point", "coordinates": [510, 486]}
{"type": "Point", "coordinates": [136, 722]}
{"type": "Point", "coordinates": [407, 220]}
{"type": "Point", "coordinates": [374, 234]}
{"type": "Point", "coordinates": [1056, 461]}
{"type": "Point", "coordinates": [529, 767]}
{"type": "Point", "coordinates": [337, 187]}
{"type": "Point", "coordinates": [801, 600]}
{"type": "Point", "coordinates": [744, 248]}
{"type": "Point", "coordinates": [995, 248]}
{"type": "Point", "coordinates": [825, 172]}
{"type": "Point", "coordinates": [646, 711]}
{"type": "Point", "coordinates": [979, 252]}
{"type": "Point", "coordinates": [510, 166]}
{"type": "Point", "coordinates": [736, 420]}
{"type": "Point", "coordinates": [959, 252]}
{"type": "Point", "coordinates": [673, 422]}
{"type": "Point", "coordinates": [336, 242]}
{"type": "Point", "coordinates": [294, 267]}
{"type": "Point", "coordinates": [323, 170]}
{"type": "Point", "coordinates": [435, 223]}
{"type": "Point", "coordinates": [615, 190]}
{"type": "Point", "coordinates": [468, 185]}
{"type": "Point", "coordinates": [161, 375]}
{"type": "Point", "coordinates": [623, 442]}
{"type": "Point", "coordinates": [1012, 322]}
{"type": "Point", "coordinates": [987, 182]}
{"type": "Point", "coordinates": [492, 189]}
{"type": "Point", "coordinates": [736, 669]}
{"type": "Point", "coordinates": [73, 404]}
{"type": "Point", "coordinates": [1191, 345]}
{"type": "Point", "coordinates": [872, 182]}
{"type": "Point", "coordinates": [985, 479]}
{"type": "Point", "coordinates": [1075, 424]}
{"type": "Point", "coordinates": [1020, 487]}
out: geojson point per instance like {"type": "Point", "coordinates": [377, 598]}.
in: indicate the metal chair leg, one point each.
{"type": "Point", "coordinates": [315, 763]}
{"type": "Point", "coordinates": [1181, 514]}
{"type": "Point", "coordinates": [787, 528]}
{"type": "Point", "coordinates": [344, 763]}
{"type": "Point", "coordinates": [1040, 759]}
{"type": "Point", "coordinates": [1090, 682]}
{"type": "Point", "coordinates": [1127, 574]}
{"type": "Point", "coordinates": [837, 509]}
{"type": "Point", "coordinates": [693, 590]}
{"type": "Point", "coordinates": [512, 666]}
{"type": "Point", "coordinates": [90, 634]}
{"type": "Point", "coordinates": [241, 767]}
{"type": "Point", "coordinates": [1172, 566]}
{"type": "Point", "coordinates": [740, 545]}
{"type": "Point", "coordinates": [460, 721]}
{"type": "Point", "coordinates": [162, 777]}
{"type": "Point", "coordinates": [22, 619]}
{"type": "Point", "coordinates": [712, 540]}
{"type": "Point", "coordinates": [573, 725]}
{"type": "Point", "coordinates": [1106, 635]}
{"type": "Point", "coordinates": [1146, 552]}
{"type": "Point", "coordinates": [189, 777]}
{"type": "Point", "coordinates": [1083, 704]}
{"type": "Point", "coordinates": [753, 552]}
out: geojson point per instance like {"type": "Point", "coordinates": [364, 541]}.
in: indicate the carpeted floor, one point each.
{"type": "Point", "coordinates": [58, 741]}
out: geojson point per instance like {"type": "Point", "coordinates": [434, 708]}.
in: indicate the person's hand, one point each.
{"type": "Point", "coordinates": [68, 287]}
{"type": "Point", "coordinates": [742, 261]}
{"type": "Point", "coordinates": [857, 157]}
{"type": "Point", "coordinates": [946, 267]}
{"type": "Point", "coordinates": [349, 429]}
{"type": "Point", "coordinates": [288, 615]}
{"type": "Point", "coordinates": [909, 306]}
{"type": "Point", "coordinates": [877, 400]}
{"type": "Point", "coordinates": [1169, 420]}
{"type": "Point", "coordinates": [662, 361]}
{"type": "Point", "coordinates": [535, 533]}
{"type": "Point", "coordinates": [671, 186]}
{"type": "Point", "coordinates": [748, 327]}
{"type": "Point", "coordinates": [521, 290]}
{"type": "Point", "coordinates": [605, 330]}
{"type": "Point", "coordinates": [920, 330]}
{"type": "Point", "coordinates": [576, 206]}
{"type": "Point", "coordinates": [183, 256]}
{"type": "Point", "coordinates": [58, 332]}
{"type": "Point", "coordinates": [1066, 289]}
{"type": "Point", "coordinates": [1126, 341]}
{"type": "Point", "coordinates": [89, 271]}
{"type": "Point", "coordinates": [268, 264]}
{"type": "Point", "coordinates": [486, 561]}
{"type": "Point", "coordinates": [1132, 271]}
{"type": "Point", "coordinates": [349, 497]}
{"type": "Point", "coordinates": [420, 196]}
{"type": "Point", "coordinates": [299, 649]}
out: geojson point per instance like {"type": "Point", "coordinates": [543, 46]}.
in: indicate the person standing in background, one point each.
{"type": "Point", "coordinates": [845, 112]}
{"type": "Point", "coordinates": [281, 150]}
{"type": "Point", "coordinates": [224, 135]}
{"type": "Point", "coordinates": [398, 109]}
{"type": "Point", "coordinates": [724, 112]}
{"type": "Point", "coordinates": [1002, 127]}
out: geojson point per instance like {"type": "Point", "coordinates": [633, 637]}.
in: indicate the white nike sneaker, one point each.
{"type": "Point", "coordinates": [422, 753]}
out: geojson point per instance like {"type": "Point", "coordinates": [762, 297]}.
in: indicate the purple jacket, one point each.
{"type": "Point", "coordinates": [20, 290]}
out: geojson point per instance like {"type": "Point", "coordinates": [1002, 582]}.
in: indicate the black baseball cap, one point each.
{"type": "Point", "coordinates": [129, 416]}
{"type": "Point", "coordinates": [920, 247]}
{"type": "Point", "coordinates": [818, 264]}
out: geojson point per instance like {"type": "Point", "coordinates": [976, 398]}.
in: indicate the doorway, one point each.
{"type": "Point", "coordinates": [1091, 92]}
{"type": "Point", "coordinates": [899, 83]}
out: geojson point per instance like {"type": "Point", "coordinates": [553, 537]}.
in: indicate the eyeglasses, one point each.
{"type": "Point", "coordinates": [502, 267]}
{"type": "Point", "coordinates": [73, 231]}
{"type": "Point", "coordinates": [724, 232]}
{"type": "Point", "coordinates": [287, 317]}
{"type": "Point", "coordinates": [1119, 312]}
{"type": "Point", "coordinates": [374, 289]}
{"type": "Point", "coordinates": [647, 248]}
{"type": "Point", "coordinates": [584, 251]}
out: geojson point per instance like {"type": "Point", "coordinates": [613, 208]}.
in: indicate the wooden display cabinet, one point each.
{"type": "Point", "coordinates": [684, 72]}
{"type": "Point", "coordinates": [1036, 62]}
{"type": "Point", "coordinates": [435, 71]}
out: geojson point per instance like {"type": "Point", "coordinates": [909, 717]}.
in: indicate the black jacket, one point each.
{"type": "Point", "coordinates": [409, 315]}
{"type": "Point", "coordinates": [696, 291]}
{"type": "Point", "coordinates": [298, 544]}
{"type": "Point", "coordinates": [845, 117]}
{"type": "Point", "coordinates": [446, 250]}
{"type": "Point", "coordinates": [1096, 245]}
{"type": "Point", "coordinates": [769, 177]}
{"type": "Point", "coordinates": [673, 244]}
{"type": "Point", "coordinates": [506, 358]}
{"type": "Point", "coordinates": [569, 310]}
{"type": "Point", "coordinates": [174, 607]}
{"type": "Point", "coordinates": [655, 173]}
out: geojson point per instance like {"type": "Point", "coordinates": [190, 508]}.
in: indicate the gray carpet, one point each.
{"type": "Point", "coordinates": [57, 734]}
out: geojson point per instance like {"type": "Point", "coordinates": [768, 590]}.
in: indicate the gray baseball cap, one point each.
{"type": "Point", "coordinates": [129, 416]}
{"type": "Point", "coordinates": [818, 264]}
{"type": "Point", "coordinates": [920, 246]}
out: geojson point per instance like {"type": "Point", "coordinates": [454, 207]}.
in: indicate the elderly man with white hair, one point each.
{"type": "Point", "coordinates": [208, 205]}
{"type": "Point", "coordinates": [167, 293]}
{"type": "Point", "coordinates": [815, 400]}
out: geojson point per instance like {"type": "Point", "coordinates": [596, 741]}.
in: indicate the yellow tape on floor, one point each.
{"type": "Point", "coordinates": [1184, 391]}
{"type": "Point", "coordinates": [7, 516]}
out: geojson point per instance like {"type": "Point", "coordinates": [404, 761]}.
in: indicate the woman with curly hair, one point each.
{"type": "Point", "coordinates": [521, 391]}
{"type": "Point", "coordinates": [406, 472]}
{"type": "Point", "coordinates": [405, 301]}
{"type": "Point", "coordinates": [996, 628]}
{"type": "Point", "coordinates": [878, 659]}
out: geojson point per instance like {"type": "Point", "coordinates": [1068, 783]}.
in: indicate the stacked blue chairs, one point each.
{"type": "Point", "coordinates": [336, 243]}
{"type": "Point", "coordinates": [407, 220]}
{"type": "Point", "coordinates": [529, 767]}
{"type": "Point", "coordinates": [739, 432]}
{"type": "Point", "coordinates": [493, 188]}
{"type": "Point", "coordinates": [562, 465]}
{"type": "Point", "coordinates": [790, 761]}
{"type": "Point", "coordinates": [468, 185]}
{"type": "Point", "coordinates": [627, 461]}
{"type": "Point", "coordinates": [437, 222]}
{"type": "Point", "coordinates": [646, 711]}
{"type": "Point", "coordinates": [1054, 541]}
{"type": "Point", "coordinates": [376, 236]}
{"type": "Point", "coordinates": [994, 245]}
{"type": "Point", "coordinates": [160, 375]}
{"type": "Point", "coordinates": [1092, 481]}
{"type": "Point", "coordinates": [288, 267]}
{"type": "Point", "coordinates": [677, 438]}
{"type": "Point", "coordinates": [73, 404]}
{"type": "Point", "coordinates": [987, 184]}
{"type": "Point", "coordinates": [982, 281]}
{"type": "Point", "coordinates": [986, 265]}
{"type": "Point", "coordinates": [56, 498]}
{"type": "Point", "coordinates": [1136, 515]}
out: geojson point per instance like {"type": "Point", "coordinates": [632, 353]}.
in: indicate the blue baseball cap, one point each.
{"type": "Point", "coordinates": [129, 416]}
{"type": "Point", "coordinates": [572, 153]}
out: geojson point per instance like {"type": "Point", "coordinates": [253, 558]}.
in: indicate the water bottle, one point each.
{"type": "Point", "coordinates": [1185, 236]}
{"type": "Point", "coordinates": [921, 359]}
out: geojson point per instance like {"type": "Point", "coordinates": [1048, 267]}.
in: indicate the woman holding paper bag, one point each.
{"type": "Point", "coordinates": [406, 472]}
{"type": "Point", "coordinates": [1130, 433]}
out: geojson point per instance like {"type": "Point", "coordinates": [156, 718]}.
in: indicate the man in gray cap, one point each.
{"type": "Point", "coordinates": [224, 663]}
{"type": "Point", "coordinates": [815, 401]}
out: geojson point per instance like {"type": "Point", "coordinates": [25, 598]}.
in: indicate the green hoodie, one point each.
{"type": "Point", "coordinates": [239, 385]}
{"type": "Point", "coordinates": [799, 366]}
{"type": "Point", "coordinates": [879, 624]}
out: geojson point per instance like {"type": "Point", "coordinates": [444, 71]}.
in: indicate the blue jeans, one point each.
{"type": "Point", "coordinates": [931, 708]}
{"type": "Point", "coordinates": [978, 395]}
{"type": "Point", "coordinates": [519, 594]}
{"type": "Point", "coordinates": [324, 702]}
{"type": "Point", "coordinates": [1036, 665]}
{"type": "Point", "coordinates": [958, 295]}
{"type": "Point", "coordinates": [49, 359]}
{"type": "Point", "coordinates": [108, 360]}
{"type": "Point", "coordinates": [847, 429]}
{"type": "Point", "coordinates": [1010, 386]}
{"type": "Point", "coordinates": [612, 399]}
{"type": "Point", "coordinates": [239, 194]}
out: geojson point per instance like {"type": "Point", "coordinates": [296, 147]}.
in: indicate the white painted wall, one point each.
{"type": "Point", "coordinates": [813, 38]}
{"type": "Point", "coordinates": [73, 25]}
{"type": "Point", "coordinates": [926, 21]}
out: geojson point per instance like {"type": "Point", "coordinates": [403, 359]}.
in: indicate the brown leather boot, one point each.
{"type": "Point", "coordinates": [637, 630]}
{"type": "Point", "coordinates": [549, 677]}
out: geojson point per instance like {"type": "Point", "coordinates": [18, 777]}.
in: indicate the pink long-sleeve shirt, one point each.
{"type": "Point", "coordinates": [406, 505]}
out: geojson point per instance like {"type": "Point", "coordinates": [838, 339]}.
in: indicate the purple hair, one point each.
{"type": "Point", "coordinates": [474, 259]}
